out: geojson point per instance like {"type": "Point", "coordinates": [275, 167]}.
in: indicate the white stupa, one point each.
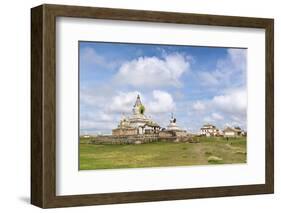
{"type": "Point", "coordinates": [173, 125]}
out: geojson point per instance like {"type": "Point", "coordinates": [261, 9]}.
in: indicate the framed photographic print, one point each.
{"type": "Point", "coordinates": [136, 106]}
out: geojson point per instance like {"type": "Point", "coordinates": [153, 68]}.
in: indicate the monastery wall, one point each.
{"type": "Point", "coordinates": [125, 139]}
{"type": "Point", "coordinates": [138, 139]}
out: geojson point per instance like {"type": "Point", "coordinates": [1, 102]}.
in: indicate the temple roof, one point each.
{"type": "Point", "coordinates": [229, 129]}
{"type": "Point", "coordinates": [138, 101]}
{"type": "Point", "coordinates": [151, 124]}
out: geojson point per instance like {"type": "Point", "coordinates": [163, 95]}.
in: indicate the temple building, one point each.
{"type": "Point", "coordinates": [136, 124]}
{"type": "Point", "coordinates": [209, 130]}
{"type": "Point", "coordinates": [233, 132]}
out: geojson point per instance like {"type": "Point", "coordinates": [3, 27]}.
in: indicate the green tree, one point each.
{"type": "Point", "coordinates": [141, 109]}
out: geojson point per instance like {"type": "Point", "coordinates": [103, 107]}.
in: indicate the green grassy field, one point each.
{"type": "Point", "coordinates": [213, 150]}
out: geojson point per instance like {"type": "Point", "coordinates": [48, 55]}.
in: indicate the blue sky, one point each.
{"type": "Point", "coordinates": [198, 84]}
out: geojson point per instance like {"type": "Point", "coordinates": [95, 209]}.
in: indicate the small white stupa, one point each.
{"type": "Point", "coordinates": [173, 129]}
{"type": "Point", "coordinates": [173, 125]}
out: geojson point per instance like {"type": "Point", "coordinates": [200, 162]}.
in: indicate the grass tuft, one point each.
{"type": "Point", "coordinates": [242, 152]}
{"type": "Point", "coordinates": [214, 159]}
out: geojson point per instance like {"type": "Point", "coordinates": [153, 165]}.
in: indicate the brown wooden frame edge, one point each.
{"type": "Point", "coordinates": [43, 105]}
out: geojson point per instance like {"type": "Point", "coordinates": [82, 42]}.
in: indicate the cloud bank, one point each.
{"type": "Point", "coordinates": [154, 71]}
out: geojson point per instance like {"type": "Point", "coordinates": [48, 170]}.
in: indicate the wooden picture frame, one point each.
{"type": "Point", "coordinates": [43, 105]}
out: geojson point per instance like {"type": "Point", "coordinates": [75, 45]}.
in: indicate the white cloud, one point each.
{"type": "Point", "coordinates": [199, 106]}
{"type": "Point", "coordinates": [99, 116]}
{"type": "Point", "coordinates": [217, 116]}
{"type": "Point", "coordinates": [91, 57]}
{"type": "Point", "coordinates": [97, 125]}
{"type": "Point", "coordinates": [207, 119]}
{"type": "Point", "coordinates": [95, 96]}
{"type": "Point", "coordinates": [162, 102]}
{"type": "Point", "coordinates": [104, 117]}
{"type": "Point", "coordinates": [208, 79]}
{"type": "Point", "coordinates": [228, 108]}
{"type": "Point", "coordinates": [238, 58]}
{"type": "Point", "coordinates": [154, 71]}
{"type": "Point", "coordinates": [230, 70]}
{"type": "Point", "coordinates": [234, 102]}
{"type": "Point", "coordinates": [123, 102]}
{"type": "Point", "coordinates": [235, 123]}
{"type": "Point", "coordinates": [214, 118]}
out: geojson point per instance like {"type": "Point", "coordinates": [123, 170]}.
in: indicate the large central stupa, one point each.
{"type": "Point", "coordinates": [138, 123]}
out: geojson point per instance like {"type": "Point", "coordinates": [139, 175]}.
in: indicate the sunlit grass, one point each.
{"type": "Point", "coordinates": [213, 150]}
